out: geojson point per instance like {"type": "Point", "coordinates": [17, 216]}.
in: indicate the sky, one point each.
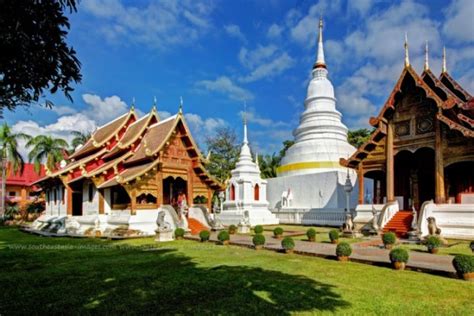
{"type": "Point", "coordinates": [218, 55]}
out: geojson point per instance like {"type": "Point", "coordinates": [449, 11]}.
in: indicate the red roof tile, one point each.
{"type": "Point", "coordinates": [27, 178]}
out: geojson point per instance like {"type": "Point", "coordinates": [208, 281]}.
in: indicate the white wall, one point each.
{"type": "Point", "coordinates": [56, 207]}
{"type": "Point", "coordinates": [89, 208]}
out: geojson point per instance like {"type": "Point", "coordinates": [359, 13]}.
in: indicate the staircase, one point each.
{"type": "Point", "coordinates": [195, 226]}
{"type": "Point", "coordinates": [400, 224]}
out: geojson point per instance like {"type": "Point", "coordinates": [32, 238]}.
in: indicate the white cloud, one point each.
{"type": "Point", "coordinates": [362, 7]}
{"type": "Point", "coordinates": [253, 58]}
{"type": "Point", "coordinates": [274, 31]}
{"type": "Point", "coordinates": [159, 24]}
{"type": "Point", "coordinates": [104, 110]}
{"type": "Point", "coordinates": [225, 86]}
{"type": "Point", "coordinates": [253, 117]}
{"type": "Point", "coordinates": [270, 69]}
{"type": "Point", "coordinates": [234, 31]}
{"type": "Point", "coordinates": [201, 127]}
{"type": "Point", "coordinates": [63, 110]}
{"type": "Point", "coordinates": [459, 24]}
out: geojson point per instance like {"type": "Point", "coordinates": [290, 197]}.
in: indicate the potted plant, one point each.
{"type": "Point", "coordinates": [204, 235]}
{"type": "Point", "coordinates": [288, 244]}
{"type": "Point", "coordinates": [343, 251]}
{"type": "Point", "coordinates": [311, 234]}
{"type": "Point", "coordinates": [258, 241]}
{"type": "Point", "coordinates": [464, 265]}
{"type": "Point", "coordinates": [389, 239]}
{"type": "Point", "coordinates": [232, 229]}
{"type": "Point", "coordinates": [472, 245]}
{"type": "Point", "coordinates": [334, 236]}
{"type": "Point", "coordinates": [258, 229]}
{"type": "Point", "coordinates": [433, 243]}
{"type": "Point", "coordinates": [223, 237]}
{"type": "Point", "coordinates": [278, 232]}
{"type": "Point", "coordinates": [179, 233]}
{"type": "Point", "coordinates": [399, 258]}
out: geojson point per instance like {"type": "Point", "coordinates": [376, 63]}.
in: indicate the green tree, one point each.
{"type": "Point", "coordinates": [80, 138]}
{"type": "Point", "coordinates": [286, 144]}
{"type": "Point", "coordinates": [34, 54]}
{"type": "Point", "coordinates": [9, 147]}
{"type": "Point", "coordinates": [46, 148]}
{"type": "Point", "coordinates": [357, 137]}
{"type": "Point", "coordinates": [268, 165]}
{"type": "Point", "coordinates": [224, 150]}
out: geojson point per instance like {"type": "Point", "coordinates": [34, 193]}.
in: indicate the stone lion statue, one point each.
{"type": "Point", "coordinates": [348, 225]}
{"type": "Point", "coordinates": [163, 225]}
{"type": "Point", "coordinates": [433, 229]}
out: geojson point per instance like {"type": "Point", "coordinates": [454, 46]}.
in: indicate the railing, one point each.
{"type": "Point", "coordinates": [388, 212]}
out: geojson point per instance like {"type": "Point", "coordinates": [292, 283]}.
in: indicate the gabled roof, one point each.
{"type": "Point", "coordinates": [27, 178]}
{"type": "Point", "coordinates": [455, 87]}
{"type": "Point", "coordinates": [104, 134]}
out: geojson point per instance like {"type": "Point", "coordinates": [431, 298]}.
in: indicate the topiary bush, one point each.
{"type": "Point", "coordinates": [343, 250]}
{"type": "Point", "coordinates": [288, 243]}
{"type": "Point", "coordinates": [433, 243]}
{"type": "Point", "coordinates": [334, 235]}
{"type": "Point", "coordinates": [278, 231]}
{"type": "Point", "coordinates": [179, 233]}
{"type": "Point", "coordinates": [204, 235]}
{"type": "Point", "coordinates": [463, 264]}
{"type": "Point", "coordinates": [258, 229]}
{"type": "Point", "coordinates": [258, 240]}
{"type": "Point", "coordinates": [399, 255]}
{"type": "Point", "coordinates": [232, 229]}
{"type": "Point", "coordinates": [311, 234]}
{"type": "Point", "coordinates": [389, 239]}
{"type": "Point", "coordinates": [471, 245]}
{"type": "Point", "coordinates": [223, 236]}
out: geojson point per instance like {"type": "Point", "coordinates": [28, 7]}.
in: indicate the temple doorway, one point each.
{"type": "Point", "coordinates": [414, 177]}
{"type": "Point", "coordinates": [76, 203]}
{"type": "Point", "coordinates": [172, 187]}
{"type": "Point", "coordinates": [459, 180]}
{"type": "Point", "coordinates": [379, 178]}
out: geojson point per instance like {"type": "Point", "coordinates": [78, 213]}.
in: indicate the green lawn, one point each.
{"type": "Point", "coordinates": [322, 233]}
{"type": "Point", "coordinates": [84, 276]}
{"type": "Point", "coordinates": [454, 247]}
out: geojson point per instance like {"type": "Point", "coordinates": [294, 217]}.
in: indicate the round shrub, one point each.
{"type": "Point", "coordinates": [311, 234]}
{"type": "Point", "coordinates": [433, 242]}
{"type": "Point", "coordinates": [399, 255]}
{"type": "Point", "coordinates": [389, 238]}
{"type": "Point", "coordinates": [232, 229]}
{"type": "Point", "coordinates": [223, 236]}
{"type": "Point", "coordinates": [463, 264]}
{"type": "Point", "coordinates": [278, 231]}
{"type": "Point", "coordinates": [288, 243]}
{"type": "Point", "coordinates": [334, 234]}
{"type": "Point", "coordinates": [258, 229]}
{"type": "Point", "coordinates": [258, 240]}
{"type": "Point", "coordinates": [179, 233]}
{"type": "Point", "coordinates": [204, 235]}
{"type": "Point", "coordinates": [471, 245]}
{"type": "Point", "coordinates": [343, 250]}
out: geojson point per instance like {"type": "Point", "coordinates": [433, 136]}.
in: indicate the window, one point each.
{"type": "Point", "coordinates": [91, 192]}
{"type": "Point", "coordinates": [232, 192]}
{"type": "Point", "coordinates": [12, 193]}
{"type": "Point", "coordinates": [256, 193]}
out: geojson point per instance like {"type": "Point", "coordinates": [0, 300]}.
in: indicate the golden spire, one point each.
{"type": "Point", "coordinates": [407, 58]}
{"type": "Point", "coordinates": [132, 108]}
{"type": "Point", "coordinates": [427, 65]}
{"type": "Point", "coordinates": [154, 103]}
{"type": "Point", "coordinates": [443, 69]}
{"type": "Point", "coordinates": [180, 105]}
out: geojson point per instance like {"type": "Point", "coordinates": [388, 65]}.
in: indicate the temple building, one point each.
{"type": "Point", "coordinates": [420, 154]}
{"type": "Point", "coordinates": [246, 192]}
{"type": "Point", "coordinates": [131, 166]}
{"type": "Point", "coordinates": [19, 186]}
{"type": "Point", "coordinates": [310, 182]}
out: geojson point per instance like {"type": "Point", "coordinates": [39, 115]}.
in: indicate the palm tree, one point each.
{"type": "Point", "coordinates": [268, 165]}
{"type": "Point", "coordinates": [46, 148]}
{"type": "Point", "coordinates": [9, 147]}
{"type": "Point", "coordinates": [80, 138]}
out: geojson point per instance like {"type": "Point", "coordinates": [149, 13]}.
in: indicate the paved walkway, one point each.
{"type": "Point", "coordinates": [366, 252]}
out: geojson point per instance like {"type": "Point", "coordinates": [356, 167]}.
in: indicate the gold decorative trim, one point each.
{"type": "Point", "coordinates": [309, 165]}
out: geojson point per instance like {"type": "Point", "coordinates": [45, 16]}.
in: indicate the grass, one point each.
{"type": "Point", "coordinates": [454, 247]}
{"type": "Point", "coordinates": [86, 276]}
{"type": "Point", "coordinates": [322, 233]}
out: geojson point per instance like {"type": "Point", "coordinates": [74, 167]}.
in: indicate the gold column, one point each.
{"type": "Point", "coordinates": [360, 175]}
{"type": "Point", "coordinates": [440, 196]}
{"type": "Point", "coordinates": [390, 163]}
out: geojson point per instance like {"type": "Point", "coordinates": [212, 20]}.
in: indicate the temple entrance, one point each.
{"type": "Point", "coordinates": [379, 192]}
{"type": "Point", "coordinates": [76, 203]}
{"type": "Point", "coordinates": [414, 177]}
{"type": "Point", "coordinates": [459, 181]}
{"type": "Point", "coordinates": [172, 188]}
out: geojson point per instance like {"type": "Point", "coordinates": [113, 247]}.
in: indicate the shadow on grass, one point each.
{"type": "Point", "coordinates": [135, 281]}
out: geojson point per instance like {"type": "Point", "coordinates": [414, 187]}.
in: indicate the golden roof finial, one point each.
{"type": "Point", "coordinates": [443, 69]}
{"type": "Point", "coordinates": [407, 58]}
{"type": "Point", "coordinates": [132, 108]}
{"type": "Point", "coordinates": [154, 103]}
{"type": "Point", "coordinates": [427, 65]}
{"type": "Point", "coordinates": [180, 105]}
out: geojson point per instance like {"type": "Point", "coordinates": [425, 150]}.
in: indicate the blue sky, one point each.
{"type": "Point", "coordinates": [216, 54]}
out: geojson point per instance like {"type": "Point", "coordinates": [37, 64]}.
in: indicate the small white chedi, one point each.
{"type": "Point", "coordinates": [246, 193]}
{"type": "Point", "coordinates": [309, 188]}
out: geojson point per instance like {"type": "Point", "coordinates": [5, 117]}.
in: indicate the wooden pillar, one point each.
{"type": "Point", "coordinates": [360, 176]}
{"type": "Point", "coordinates": [189, 186]}
{"type": "Point", "coordinates": [209, 200]}
{"type": "Point", "coordinates": [159, 187]}
{"type": "Point", "coordinates": [101, 201]}
{"type": "Point", "coordinates": [23, 194]}
{"type": "Point", "coordinates": [68, 200]}
{"type": "Point", "coordinates": [390, 164]}
{"type": "Point", "coordinates": [440, 196]}
{"type": "Point", "coordinates": [133, 201]}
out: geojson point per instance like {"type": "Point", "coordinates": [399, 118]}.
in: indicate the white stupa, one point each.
{"type": "Point", "coordinates": [246, 191]}
{"type": "Point", "coordinates": [310, 176]}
